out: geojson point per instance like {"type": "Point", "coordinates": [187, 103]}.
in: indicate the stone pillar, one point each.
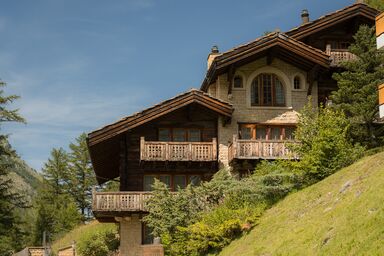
{"type": "Point", "coordinates": [130, 235]}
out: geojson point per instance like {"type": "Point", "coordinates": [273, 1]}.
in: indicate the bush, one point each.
{"type": "Point", "coordinates": [324, 144]}
{"type": "Point", "coordinates": [101, 243]}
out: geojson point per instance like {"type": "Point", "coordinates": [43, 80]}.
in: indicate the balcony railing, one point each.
{"type": "Point", "coordinates": [178, 151]}
{"type": "Point", "coordinates": [339, 55]}
{"type": "Point", "coordinates": [260, 149]}
{"type": "Point", "coordinates": [112, 202]}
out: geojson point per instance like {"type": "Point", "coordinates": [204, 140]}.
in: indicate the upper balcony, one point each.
{"type": "Point", "coordinates": [339, 55]}
{"type": "Point", "coordinates": [260, 149]}
{"type": "Point", "coordinates": [107, 205]}
{"type": "Point", "coordinates": [178, 151]}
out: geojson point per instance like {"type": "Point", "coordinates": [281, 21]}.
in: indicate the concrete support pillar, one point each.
{"type": "Point", "coordinates": [130, 236]}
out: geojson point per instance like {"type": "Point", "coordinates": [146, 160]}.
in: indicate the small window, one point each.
{"type": "Point", "coordinates": [275, 133]}
{"type": "Point", "coordinates": [179, 135]}
{"type": "Point", "coordinates": [148, 182]}
{"type": "Point", "coordinates": [164, 134]}
{"type": "Point", "coordinates": [289, 133]}
{"type": "Point", "coordinates": [238, 82]}
{"type": "Point", "coordinates": [166, 179]}
{"type": "Point", "coordinates": [179, 181]}
{"type": "Point", "coordinates": [261, 133]}
{"type": "Point", "coordinates": [246, 133]}
{"type": "Point", "coordinates": [194, 135]}
{"type": "Point", "coordinates": [195, 180]}
{"type": "Point", "coordinates": [296, 83]}
{"type": "Point", "coordinates": [147, 234]}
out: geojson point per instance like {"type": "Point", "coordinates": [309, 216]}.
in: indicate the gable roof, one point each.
{"type": "Point", "coordinates": [331, 19]}
{"type": "Point", "coordinates": [104, 143]}
{"type": "Point", "coordinates": [285, 47]}
{"type": "Point", "coordinates": [165, 107]}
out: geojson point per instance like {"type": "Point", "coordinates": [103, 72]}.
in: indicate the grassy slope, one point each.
{"type": "Point", "coordinates": [341, 215]}
{"type": "Point", "coordinates": [81, 232]}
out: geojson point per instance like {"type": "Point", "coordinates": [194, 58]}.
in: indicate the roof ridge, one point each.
{"type": "Point", "coordinates": [328, 15]}
{"type": "Point", "coordinates": [138, 113]}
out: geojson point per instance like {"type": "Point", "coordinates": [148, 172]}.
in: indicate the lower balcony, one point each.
{"type": "Point", "coordinates": [178, 151]}
{"type": "Point", "coordinates": [108, 205]}
{"type": "Point", "coordinates": [260, 149]}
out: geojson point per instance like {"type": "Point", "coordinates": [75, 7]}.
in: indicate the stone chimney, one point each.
{"type": "Point", "coordinates": [304, 16]}
{"type": "Point", "coordinates": [214, 53]}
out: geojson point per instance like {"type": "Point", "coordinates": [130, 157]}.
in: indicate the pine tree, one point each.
{"type": "Point", "coordinates": [81, 177]}
{"type": "Point", "coordinates": [10, 199]}
{"type": "Point", "coordinates": [357, 93]}
{"type": "Point", "coordinates": [57, 212]}
{"type": "Point", "coordinates": [378, 4]}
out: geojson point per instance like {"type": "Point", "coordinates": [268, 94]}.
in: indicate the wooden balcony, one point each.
{"type": "Point", "coordinates": [114, 204]}
{"type": "Point", "coordinates": [260, 149]}
{"type": "Point", "coordinates": [178, 151]}
{"type": "Point", "coordinates": [339, 55]}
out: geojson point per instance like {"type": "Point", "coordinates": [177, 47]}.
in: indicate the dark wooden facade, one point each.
{"type": "Point", "coordinates": [192, 116]}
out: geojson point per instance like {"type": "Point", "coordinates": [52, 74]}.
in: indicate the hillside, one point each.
{"type": "Point", "coordinates": [343, 215]}
{"type": "Point", "coordinates": [26, 179]}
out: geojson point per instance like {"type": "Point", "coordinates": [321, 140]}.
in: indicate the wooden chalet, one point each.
{"type": "Point", "coordinates": [246, 110]}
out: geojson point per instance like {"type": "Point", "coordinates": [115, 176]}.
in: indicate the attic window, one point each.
{"type": "Point", "coordinates": [297, 83]}
{"type": "Point", "coordinates": [237, 82]}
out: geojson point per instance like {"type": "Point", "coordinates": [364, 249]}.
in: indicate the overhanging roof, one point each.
{"type": "Point", "coordinates": [333, 19]}
{"type": "Point", "coordinates": [278, 44]}
{"type": "Point", "coordinates": [104, 143]}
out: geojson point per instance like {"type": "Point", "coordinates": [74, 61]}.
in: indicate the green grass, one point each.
{"type": "Point", "coordinates": [80, 233]}
{"type": "Point", "coordinates": [341, 215]}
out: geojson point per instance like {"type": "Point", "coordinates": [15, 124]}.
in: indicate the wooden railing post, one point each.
{"type": "Point", "coordinates": [214, 149]}
{"type": "Point", "coordinates": [142, 148]}
{"type": "Point", "coordinates": [234, 144]}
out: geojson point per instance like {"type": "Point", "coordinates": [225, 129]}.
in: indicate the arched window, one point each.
{"type": "Point", "coordinates": [297, 83]}
{"type": "Point", "coordinates": [238, 82]}
{"type": "Point", "coordinates": [267, 90]}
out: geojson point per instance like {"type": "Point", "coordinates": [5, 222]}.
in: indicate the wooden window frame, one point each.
{"type": "Point", "coordinates": [298, 79]}
{"type": "Point", "coordinates": [172, 175]}
{"type": "Point", "coordinates": [260, 90]}
{"type": "Point", "coordinates": [186, 133]}
{"type": "Point", "coordinates": [267, 128]}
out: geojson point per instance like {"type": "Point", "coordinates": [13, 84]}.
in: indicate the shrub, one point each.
{"type": "Point", "coordinates": [101, 243]}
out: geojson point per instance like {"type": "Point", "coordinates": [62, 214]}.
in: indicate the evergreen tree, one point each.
{"type": "Point", "coordinates": [10, 200]}
{"type": "Point", "coordinates": [57, 212]}
{"type": "Point", "coordinates": [81, 177]}
{"type": "Point", "coordinates": [378, 4]}
{"type": "Point", "coordinates": [357, 94]}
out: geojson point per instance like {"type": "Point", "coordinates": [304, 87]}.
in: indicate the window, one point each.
{"type": "Point", "coordinates": [179, 181]}
{"type": "Point", "coordinates": [164, 134]}
{"type": "Point", "coordinates": [147, 236]}
{"type": "Point", "coordinates": [296, 83]}
{"type": "Point", "coordinates": [148, 182]}
{"type": "Point", "coordinates": [265, 132]}
{"type": "Point", "coordinates": [180, 134]}
{"type": "Point", "coordinates": [194, 135]}
{"type": "Point", "coordinates": [267, 90]}
{"type": "Point", "coordinates": [174, 182]}
{"type": "Point", "coordinates": [238, 82]}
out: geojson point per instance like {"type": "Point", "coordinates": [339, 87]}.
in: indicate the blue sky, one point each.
{"type": "Point", "coordinates": [79, 65]}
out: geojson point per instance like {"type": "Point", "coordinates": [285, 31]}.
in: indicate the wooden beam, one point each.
{"type": "Point", "coordinates": [312, 75]}
{"type": "Point", "coordinates": [123, 168]}
{"type": "Point", "coordinates": [230, 75]}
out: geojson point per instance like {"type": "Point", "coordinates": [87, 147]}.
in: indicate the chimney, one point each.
{"type": "Point", "coordinates": [214, 53]}
{"type": "Point", "coordinates": [304, 16]}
